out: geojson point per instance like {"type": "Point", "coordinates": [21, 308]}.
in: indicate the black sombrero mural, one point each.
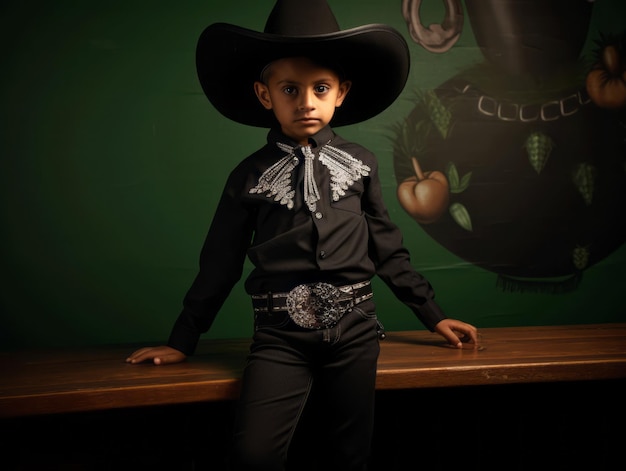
{"type": "Point", "coordinates": [518, 165]}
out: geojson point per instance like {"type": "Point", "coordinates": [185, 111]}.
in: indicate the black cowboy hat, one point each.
{"type": "Point", "coordinates": [375, 57]}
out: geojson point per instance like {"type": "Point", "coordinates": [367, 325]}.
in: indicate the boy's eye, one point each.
{"type": "Point", "coordinates": [289, 90]}
{"type": "Point", "coordinates": [321, 88]}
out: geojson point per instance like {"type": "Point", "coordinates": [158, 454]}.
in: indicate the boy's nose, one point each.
{"type": "Point", "coordinates": [306, 100]}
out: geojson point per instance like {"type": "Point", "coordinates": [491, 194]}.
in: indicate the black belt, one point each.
{"type": "Point", "coordinates": [314, 305]}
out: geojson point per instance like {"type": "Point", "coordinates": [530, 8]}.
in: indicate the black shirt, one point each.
{"type": "Point", "coordinates": [340, 234]}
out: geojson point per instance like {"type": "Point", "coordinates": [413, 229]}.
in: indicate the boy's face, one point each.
{"type": "Point", "coordinates": [302, 95]}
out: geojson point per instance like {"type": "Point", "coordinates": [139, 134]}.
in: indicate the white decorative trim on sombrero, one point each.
{"type": "Point", "coordinates": [276, 181]}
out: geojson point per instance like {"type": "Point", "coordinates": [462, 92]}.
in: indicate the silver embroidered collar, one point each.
{"type": "Point", "coordinates": [276, 182]}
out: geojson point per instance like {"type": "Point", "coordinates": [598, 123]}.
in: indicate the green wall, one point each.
{"type": "Point", "coordinates": [112, 161]}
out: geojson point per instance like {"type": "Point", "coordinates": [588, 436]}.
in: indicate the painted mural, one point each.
{"type": "Point", "coordinates": [517, 164]}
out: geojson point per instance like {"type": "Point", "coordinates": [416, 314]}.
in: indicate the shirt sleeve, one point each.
{"type": "Point", "coordinates": [392, 259]}
{"type": "Point", "coordinates": [220, 268]}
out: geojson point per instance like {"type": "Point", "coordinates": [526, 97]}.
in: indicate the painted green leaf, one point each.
{"type": "Point", "coordinates": [460, 214]}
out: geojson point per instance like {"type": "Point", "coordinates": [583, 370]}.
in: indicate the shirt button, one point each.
{"type": "Point", "coordinates": [318, 215]}
{"type": "Point", "coordinates": [322, 254]}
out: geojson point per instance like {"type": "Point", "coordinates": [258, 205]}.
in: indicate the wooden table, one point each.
{"type": "Point", "coordinates": [97, 378]}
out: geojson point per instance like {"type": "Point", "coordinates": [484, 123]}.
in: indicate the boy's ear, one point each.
{"type": "Point", "coordinates": [344, 88]}
{"type": "Point", "coordinates": [263, 94]}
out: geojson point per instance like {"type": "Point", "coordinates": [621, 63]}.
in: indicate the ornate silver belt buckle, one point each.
{"type": "Point", "coordinates": [317, 305]}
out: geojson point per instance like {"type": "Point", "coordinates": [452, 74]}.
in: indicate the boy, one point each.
{"type": "Point", "coordinates": [307, 210]}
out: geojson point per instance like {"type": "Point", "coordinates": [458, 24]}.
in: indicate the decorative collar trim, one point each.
{"type": "Point", "coordinates": [276, 182]}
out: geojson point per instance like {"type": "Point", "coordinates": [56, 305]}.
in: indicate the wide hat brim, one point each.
{"type": "Point", "coordinates": [229, 59]}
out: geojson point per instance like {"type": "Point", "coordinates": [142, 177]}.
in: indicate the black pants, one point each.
{"type": "Point", "coordinates": [288, 367]}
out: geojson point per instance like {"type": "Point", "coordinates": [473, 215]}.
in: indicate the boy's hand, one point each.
{"type": "Point", "coordinates": [457, 332]}
{"type": "Point", "coordinates": [161, 355]}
